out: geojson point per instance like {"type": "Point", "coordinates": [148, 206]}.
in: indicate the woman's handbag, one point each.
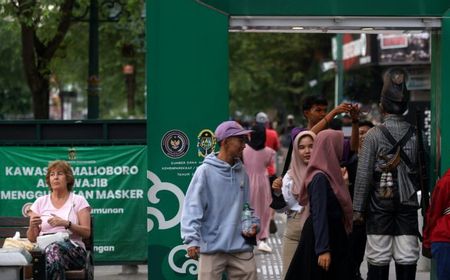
{"type": "Point", "coordinates": [278, 201]}
{"type": "Point", "coordinates": [44, 240]}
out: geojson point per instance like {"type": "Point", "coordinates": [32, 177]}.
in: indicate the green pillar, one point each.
{"type": "Point", "coordinates": [443, 117]}
{"type": "Point", "coordinates": [187, 94]}
{"type": "Point", "coordinates": [435, 94]}
{"type": "Point", "coordinates": [93, 79]}
{"type": "Point", "coordinates": [436, 80]}
{"type": "Point", "coordinates": [339, 80]}
{"type": "Point", "coordinates": [440, 98]}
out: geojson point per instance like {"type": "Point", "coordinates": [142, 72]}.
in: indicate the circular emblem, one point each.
{"type": "Point", "coordinates": [206, 142]}
{"type": "Point", "coordinates": [175, 144]}
{"type": "Point", "coordinates": [26, 209]}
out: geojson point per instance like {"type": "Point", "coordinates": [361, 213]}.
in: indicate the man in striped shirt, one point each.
{"type": "Point", "coordinates": [385, 188]}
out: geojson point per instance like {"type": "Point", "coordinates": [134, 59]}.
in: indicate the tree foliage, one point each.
{"type": "Point", "coordinates": [43, 26]}
{"type": "Point", "coordinates": [121, 42]}
{"type": "Point", "coordinates": [54, 46]}
{"type": "Point", "coordinates": [274, 71]}
{"type": "Point", "coordinates": [14, 93]}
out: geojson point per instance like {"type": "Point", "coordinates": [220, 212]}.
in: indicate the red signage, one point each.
{"type": "Point", "coordinates": [404, 48]}
{"type": "Point", "coordinates": [393, 42]}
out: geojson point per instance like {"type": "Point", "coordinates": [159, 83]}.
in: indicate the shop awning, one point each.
{"type": "Point", "coordinates": [399, 8]}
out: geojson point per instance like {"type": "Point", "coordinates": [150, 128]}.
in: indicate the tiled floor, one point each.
{"type": "Point", "coordinates": [268, 264]}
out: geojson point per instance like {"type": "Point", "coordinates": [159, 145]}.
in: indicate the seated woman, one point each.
{"type": "Point", "coordinates": [60, 211]}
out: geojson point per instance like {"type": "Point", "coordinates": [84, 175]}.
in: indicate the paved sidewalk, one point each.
{"type": "Point", "coordinates": [114, 272]}
{"type": "Point", "coordinates": [269, 265]}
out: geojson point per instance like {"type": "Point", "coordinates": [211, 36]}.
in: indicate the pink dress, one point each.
{"type": "Point", "coordinates": [256, 163]}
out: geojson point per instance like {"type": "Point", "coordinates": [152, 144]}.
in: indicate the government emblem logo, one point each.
{"type": "Point", "coordinates": [175, 143]}
{"type": "Point", "coordinates": [206, 142]}
{"type": "Point", "coordinates": [72, 154]}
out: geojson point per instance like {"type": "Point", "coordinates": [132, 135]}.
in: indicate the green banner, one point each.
{"type": "Point", "coordinates": [112, 179]}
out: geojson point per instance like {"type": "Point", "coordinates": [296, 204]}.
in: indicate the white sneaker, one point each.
{"type": "Point", "coordinates": [264, 247]}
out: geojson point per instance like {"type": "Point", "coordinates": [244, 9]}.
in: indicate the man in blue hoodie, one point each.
{"type": "Point", "coordinates": [211, 217]}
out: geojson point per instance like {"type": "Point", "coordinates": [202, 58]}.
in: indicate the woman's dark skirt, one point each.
{"type": "Point", "coordinates": [304, 263]}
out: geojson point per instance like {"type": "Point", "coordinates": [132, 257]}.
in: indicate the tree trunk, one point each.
{"type": "Point", "coordinates": [130, 84]}
{"type": "Point", "coordinates": [36, 55]}
{"type": "Point", "coordinates": [37, 81]}
{"type": "Point", "coordinates": [41, 100]}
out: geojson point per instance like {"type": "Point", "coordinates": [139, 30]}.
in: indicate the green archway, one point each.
{"type": "Point", "coordinates": [187, 47]}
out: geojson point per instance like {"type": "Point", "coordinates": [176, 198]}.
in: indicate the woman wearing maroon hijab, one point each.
{"type": "Point", "coordinates": [323, 251]}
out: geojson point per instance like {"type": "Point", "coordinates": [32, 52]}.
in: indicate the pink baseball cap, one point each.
{"type": "Point", "coordinates": [230, 128]}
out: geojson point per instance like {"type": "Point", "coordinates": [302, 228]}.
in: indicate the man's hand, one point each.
{"type": "Point", "coordinates": [341, 108]}
{"type": "Point", "coordinates": [426, 252]}
{"type": "Point", "coordinates": [277, 184]}
{"type": "Point", "coordinates": [252, 232]}
{"type": "Point", "coordinates": [193, 252]}
{"type": "Point", "coordinates": [324, 260]}
{"type": "Point", "coordinates": [358, 218]}
{"type": "Point", "coordinates": [354, 113]}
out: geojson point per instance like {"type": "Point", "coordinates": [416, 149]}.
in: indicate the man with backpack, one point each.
{"type": "Point", "coordinates": [386, 186]}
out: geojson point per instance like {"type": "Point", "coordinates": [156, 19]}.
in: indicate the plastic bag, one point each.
{"type": "Point", "coordinates": [17, 242]}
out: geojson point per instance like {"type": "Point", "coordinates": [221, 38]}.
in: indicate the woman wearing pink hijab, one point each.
{"type": "Point", "coordinates": [323, 251]}
{"type": "Point", "coordinates": [290, 188]}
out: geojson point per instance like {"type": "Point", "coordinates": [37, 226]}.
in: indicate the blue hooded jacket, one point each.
{"type": "Point", "coordinates": [211, 217]}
